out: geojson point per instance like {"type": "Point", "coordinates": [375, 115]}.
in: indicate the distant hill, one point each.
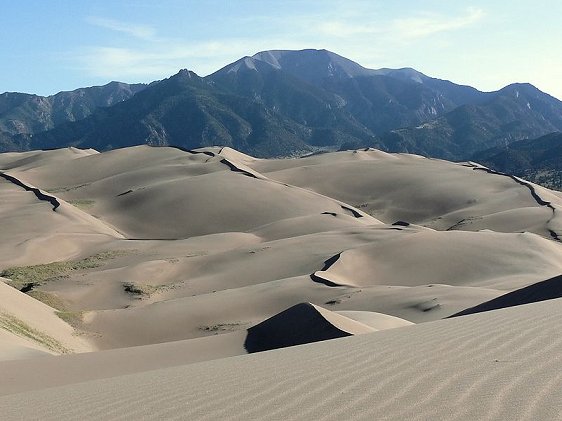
{"type": "Point", "coordinates": [537, 160]}
{"type": "Point", "coordinates": [282, 103]}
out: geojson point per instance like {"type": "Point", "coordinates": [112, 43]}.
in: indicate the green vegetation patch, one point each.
{"type": "Point", "coordinates": [51, 300]}
{"type": "Point", "coordinates": [551, 179]}
{"type": "Point", "coordinates": [37, 274]}
{"type": "Point", "coordinates": [20, 328]}
{"type": "Point", "coordinates": [67, 188]}
{"type": "Point", "coordinates": [73, 318]}
{"type": "Point", "coordinates": [82, 203]}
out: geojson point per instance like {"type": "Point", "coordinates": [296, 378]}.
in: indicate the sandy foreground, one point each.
{"type": "Point", "coordinates": [133, 283]}
{"type": "Point", "coordinates": [503, 364]}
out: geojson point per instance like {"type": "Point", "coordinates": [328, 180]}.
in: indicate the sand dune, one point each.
{"type": "Point", "coordinates": [545, 290]}
{"type": "Point", "coordinates": [493, 365]}
{"type": "Point", "coordinates": [485, 259]}
{"type": "Point", "coordinates": [302, 323]}
{"type": "Point", "coordinates": [185, 287]}
{"type": "Point", "coordinates": [28, 160]}
{"type": "Point", "coordinates": [167, 193]}
{"type": "Point", "coordinates": [431, 192]}
{"type": "Point", "coordinates": [161, 258]}
{"type": "Point", "coordinates": [30, 219]}
{"type": "Point", "coordinates": [27, 324]}
{"type": "Point", "coordinates": [230, 226]}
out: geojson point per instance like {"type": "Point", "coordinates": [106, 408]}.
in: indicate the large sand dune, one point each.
{"type": "Point", "coordinates": [158, 258]}
{"type": "Point", "coordinates": [494, 365]}
{"type": "Point", "coordinates": [436, 193]}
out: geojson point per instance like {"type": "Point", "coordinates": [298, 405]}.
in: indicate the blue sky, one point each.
{"type": "Point", "coordinates": [53, 45]}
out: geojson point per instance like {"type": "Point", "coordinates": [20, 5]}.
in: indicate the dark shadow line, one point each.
{"type": "Point", "coordinates": [38, 193]}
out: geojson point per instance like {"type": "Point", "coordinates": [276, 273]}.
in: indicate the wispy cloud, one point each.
{"type": "Point", "coordinates": [409, 28]}
{"type": "Point", "coordinates": [430, 23]}
{"type": "Point", "coordinates": [145, 32]}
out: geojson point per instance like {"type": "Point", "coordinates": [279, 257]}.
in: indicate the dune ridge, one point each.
{"type": "Point", "coordinates": [540, 201]}
{"type": "Point", "coordinates": [38, 193]}
{"type": "Point", "coordinates": [545, 290]}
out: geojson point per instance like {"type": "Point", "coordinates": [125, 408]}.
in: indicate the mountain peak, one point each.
{"type": "Point", "coordinates": [187, 74]}
{"type": "Point", "coordinates": [526, 90]}
{"type": "Point", "coordinates": [312, 65]}
{"type": "Point", "coordinates": [245, 63]}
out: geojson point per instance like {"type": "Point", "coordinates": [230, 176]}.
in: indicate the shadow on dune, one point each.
{"type": "Point", "coordinates": [297, 325]}
{"type": "Point", "coordinates": [327, 264]}
{"type": "Point", "coordinates": [541, 291]}
{"type": "Point", "coordinates": [38, 193]}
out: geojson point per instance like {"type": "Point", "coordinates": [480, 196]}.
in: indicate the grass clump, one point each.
{"type": "Point", "coordinates": [222, 327]}
{"type": "Point", "coordinates": [141, 291]}
{"type": "Point", "coordinates": [20, 328]}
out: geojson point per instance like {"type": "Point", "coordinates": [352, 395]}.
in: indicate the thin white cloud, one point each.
{"type": "Point", "coordinates": [429, 24]}
{"type": "Point", "coordinates": [409, 28]}
{"type": "Point", "coordinates": [145, 32]}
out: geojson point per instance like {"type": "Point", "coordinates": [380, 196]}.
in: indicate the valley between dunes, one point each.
{"type": "Point", "coordinates": [134, 283]}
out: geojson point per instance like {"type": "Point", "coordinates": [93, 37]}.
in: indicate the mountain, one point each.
{"type": "Point", "coordinates": [322, 68]}
{"type": "Point", "coordinates": [379, 100]}
{"type": "Point", "coordinates": [317, 110]}
{"type": "Point", "coordinates": [281, 103]}
{"type": "Point", "coordinates": [516, 112]}
{"type": "Point", "coordinates": [537, 160]}
{"type": "Point", "coordinates": [28, 114]}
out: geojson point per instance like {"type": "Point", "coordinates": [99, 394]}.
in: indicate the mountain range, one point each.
{"type": "Point", "coordinates": [537, 160]}
{"type": "Point", "coordinates": [285, 103]}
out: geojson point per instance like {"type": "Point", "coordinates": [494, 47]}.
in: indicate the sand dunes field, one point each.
{"type": "Point", "coordinates": [157, 277]}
